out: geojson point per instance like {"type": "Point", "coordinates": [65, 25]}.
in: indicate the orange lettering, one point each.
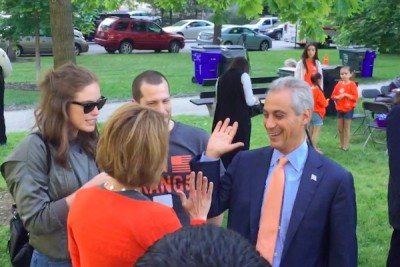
{"type": "Point", "coordinates": [177, 183]}
{"type": "Point", "coordinates": [165, 186]}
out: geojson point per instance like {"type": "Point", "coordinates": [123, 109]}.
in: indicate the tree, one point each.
{"type": "Point", "coordinates": [27, 18]}
{"type": "Point", "coordinates": [62, 32]}
{"type": "Point", "coordinates": [376, 25]}
{"type": "Point", "coordinates": [310, 14]}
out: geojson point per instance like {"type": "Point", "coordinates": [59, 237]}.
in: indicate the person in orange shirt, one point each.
{"type": "Point", "coordinates": [320, 104]}
{"type": "Point", "coordinates": [309, 64]}
{"type": "Point", "coordinates": [345, 95]}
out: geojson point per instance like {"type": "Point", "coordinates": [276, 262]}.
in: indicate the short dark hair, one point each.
{"type": "Point", "coordinates": [204, 245]}
{"type": "Point", "coordinates": [148, 76]}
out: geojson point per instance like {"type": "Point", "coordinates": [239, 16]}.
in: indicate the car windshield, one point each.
{"type": "Point", "coordinates": [180, 23]}
{"type": "Point", "coordinates": [254, 21]}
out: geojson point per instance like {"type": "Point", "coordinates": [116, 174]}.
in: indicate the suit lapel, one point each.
{"type": "Point", "coordinates": [310, 179]}
{"type": "Point", "coordinates": [257, 185]}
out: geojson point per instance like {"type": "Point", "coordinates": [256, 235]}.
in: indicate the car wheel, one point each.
{"type": "Point", "coordinates": [228, 43]}
{"type": "Point", "coordinates": [264, 45]}
{"type": "Point", "coordinates": [18, 51]}
{"type": "Point", "coordinates": [77, 50]}
{"type": "Point", "coordinates": [278, 36]}
{"type": "Point", "coordinates": [174, 47]}
{"type": "Point", "coordinates": [125, 47]}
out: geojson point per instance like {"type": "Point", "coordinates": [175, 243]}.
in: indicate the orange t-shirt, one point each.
{"type": "Point", "coordinates": [311, 69]}
{"type": "Point", "coordinates": [347, 103]}
{"type": "Point", "coordinates": [320, 102]}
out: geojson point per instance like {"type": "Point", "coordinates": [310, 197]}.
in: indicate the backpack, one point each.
{"type": "Point", "coordinates": [18, 245]}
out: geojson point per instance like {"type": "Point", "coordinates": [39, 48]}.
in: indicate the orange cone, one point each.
{"type": "Point", "coordinates": [326, 60]}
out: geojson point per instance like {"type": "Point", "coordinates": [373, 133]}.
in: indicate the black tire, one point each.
{"type": "Point", "coordinates": [174, 47]}
{"type": "Point", "coordinates": [278, 36]}
{"type": "Point", "coordinates": [194, 79]}
{"type": "Point", "coordinates": [228, 43]}
{"type": "Point", "coordinates": [110, 51]}
{"type": "Point", "coordinates": [77, 50]}
{"type": "Point", "coordinates": [18, 51]}
{"type": "Point", "coordinates": [125, 47]}
{"type": "Point", "coordinates": [264, 45]}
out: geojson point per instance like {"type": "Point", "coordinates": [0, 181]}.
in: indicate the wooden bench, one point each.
{"type": "Point", "coordinates": [254, 80]}
{"type": "Point", "coordinates": [207, 98]}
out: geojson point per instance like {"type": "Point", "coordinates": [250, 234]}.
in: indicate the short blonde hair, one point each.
{"type": "Point", "coordinates": [133, 145]}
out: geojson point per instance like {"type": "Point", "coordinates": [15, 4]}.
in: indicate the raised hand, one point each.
{"type": "Point", "coordinates": [220, 141]}
{"type": "Point", "coordinates": [200, 194]}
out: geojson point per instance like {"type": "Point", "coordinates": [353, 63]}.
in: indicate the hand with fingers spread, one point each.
{"type": "Point", "coordinates": [199, 201]}
{"type": "Point", "coordinates": [220, 141]}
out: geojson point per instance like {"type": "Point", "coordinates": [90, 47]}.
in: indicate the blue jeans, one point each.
{"type": "Point", "coordinates": [41, 260]}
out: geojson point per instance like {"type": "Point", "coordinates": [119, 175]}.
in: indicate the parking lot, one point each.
{"type": "Point", "coordinates": [276, 45]}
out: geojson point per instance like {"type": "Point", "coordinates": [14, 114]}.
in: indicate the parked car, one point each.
{"type": "Point", "coordinates": [125, 34]}
{"type": "Point", "coordinates": [26, 45]}
{"type": "Point", "coordinates": [262, 24]}
{"type": "Point", "coordinates": [145, 16]}
{"type": "Point", "coordinates": [238, 35]}
{"type": "Point", "coordinates": [190, 28]}
{"type": "Point", "coordinates": [275, 32]}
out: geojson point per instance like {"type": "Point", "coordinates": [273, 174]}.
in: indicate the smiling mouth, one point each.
{"type": "Point", "coordinates": [274, 133]}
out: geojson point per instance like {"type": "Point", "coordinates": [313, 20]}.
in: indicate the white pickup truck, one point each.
{"type": "Point", "coordinates": [291, 34]}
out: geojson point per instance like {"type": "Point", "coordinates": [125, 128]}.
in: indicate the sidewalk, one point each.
{"type": "Point", "coordinates": [23, 120]}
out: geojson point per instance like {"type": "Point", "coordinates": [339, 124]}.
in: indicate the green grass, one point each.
{"type": "Point", "coordinates": [369, 168]}
{"type": "Point", "coordinates": [116, 72]}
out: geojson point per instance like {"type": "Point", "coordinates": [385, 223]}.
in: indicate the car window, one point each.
{"type": "Point", "coordinates": [202, 23]}
{"type": "Point", "coordinates": [236, 31]}
{"type": "Point", "coordinates": [139, 27]}
{"type": "Point", "coordinates": [247, 31]}
{"type": "Point", "coordinates": [267, 22]}
{"type": "Point", "coordinates": [122, 26]}
{"type": "Point", "coordinates": [274, 21]}
{"type": "Point", "coordinates": [194, 24]}
{"type": "Point", "coordinates": [153, 28]}
{"type": "Point", "coordinates": [106, 23]}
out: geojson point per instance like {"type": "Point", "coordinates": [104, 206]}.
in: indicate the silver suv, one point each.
{"type": "Point", "coordinates": [26, 44]}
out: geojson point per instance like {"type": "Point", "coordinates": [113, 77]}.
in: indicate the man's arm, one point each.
{"type": "Point", "coordinates": [342, 225]}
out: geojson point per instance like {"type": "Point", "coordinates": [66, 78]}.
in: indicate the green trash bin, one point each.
{"type": "Point", "coordinates": [352, 57]}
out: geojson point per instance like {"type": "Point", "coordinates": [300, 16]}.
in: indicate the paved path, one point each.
{"type": "Point", "coordinates": [23, 120]}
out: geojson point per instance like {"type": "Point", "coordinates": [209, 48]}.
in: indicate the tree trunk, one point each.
{"type": "Point", "coordinates": [170, 17]}
{"type": "Point", "coordinates": [217, 34]}
{"type": "Point", "coordinates": [37, 53]}
{"type": "Point", "coordinates": [62, 32]}
{"type": "Point", "coordinates": [10, 51]}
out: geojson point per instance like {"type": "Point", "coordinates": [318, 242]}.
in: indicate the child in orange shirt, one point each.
{"type": "Point", "coordinates": [345, 95]}
{"type": "Point", "coordinates": [320, 104]}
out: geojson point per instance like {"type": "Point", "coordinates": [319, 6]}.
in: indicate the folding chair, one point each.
{"type": "Point", "coordinates": [370, 93]}
{"type": "Point", "coordinates": [374, 108]}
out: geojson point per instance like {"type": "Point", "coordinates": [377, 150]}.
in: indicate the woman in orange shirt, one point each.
{"type": "Point", "coordinates": [113, 224]}
{"type": "Point", "coordinates": [320, 104]}
{"type": "Point", "coordinates": [309, 64]}
{"type": "Point", "coordinates": [345, 95]}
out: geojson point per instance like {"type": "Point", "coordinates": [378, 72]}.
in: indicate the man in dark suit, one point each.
{"type": "Point", "coordinates": [393, 145]}
{"type": "Point", "coordinates": [318, 216]}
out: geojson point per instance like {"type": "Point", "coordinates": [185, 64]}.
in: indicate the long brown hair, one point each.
{"type": "Point", "coordinates": [304, 56]}
{"type": "Point", "coordinates": [58, 89]}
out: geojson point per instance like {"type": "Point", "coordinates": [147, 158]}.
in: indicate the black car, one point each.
{"type": "Point", "coordinates": [275, 32]}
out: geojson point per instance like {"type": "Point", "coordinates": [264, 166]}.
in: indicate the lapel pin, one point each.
{"type": "Point", "coordinates": [313, 177]}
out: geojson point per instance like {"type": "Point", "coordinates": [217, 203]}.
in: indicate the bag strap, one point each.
{"type": "Point", "coordinates": [48, 154]}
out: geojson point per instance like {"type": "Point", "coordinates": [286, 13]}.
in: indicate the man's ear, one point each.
{"type": "Point", "coordinates": [307, 116]}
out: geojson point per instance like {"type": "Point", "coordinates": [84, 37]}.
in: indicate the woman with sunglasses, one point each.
{"type": "Point", "coordinates": [44, 188]}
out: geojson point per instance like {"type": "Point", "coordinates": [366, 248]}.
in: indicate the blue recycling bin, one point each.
{"type": "Point", "coordinates": [368, 63]}
{"type": "Point", "coordinates": [206, 60]}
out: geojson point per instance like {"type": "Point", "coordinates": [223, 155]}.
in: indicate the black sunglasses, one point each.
{"type": "Point", "coordinates": [89, 106]}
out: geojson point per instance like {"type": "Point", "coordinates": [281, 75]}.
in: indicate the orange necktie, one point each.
{"type": "Point", "coordinates": [271, 213]}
